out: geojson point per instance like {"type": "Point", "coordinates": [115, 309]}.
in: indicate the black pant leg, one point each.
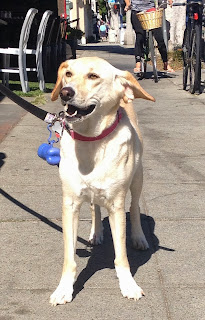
{"type": "Point", "coordinates": [161, 45]}
{"type": "Point", "coordinates": [140, 36]}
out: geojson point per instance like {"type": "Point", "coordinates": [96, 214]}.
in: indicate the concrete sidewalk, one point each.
{"type": "Point", "coordinates": [171, 273]}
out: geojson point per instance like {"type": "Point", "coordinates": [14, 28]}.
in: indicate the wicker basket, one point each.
{"type": "Point", "coordinates": [150, 20]}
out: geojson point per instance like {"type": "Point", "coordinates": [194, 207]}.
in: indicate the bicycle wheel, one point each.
{"type": "Point", "coordinates": [153, 56]}
{"type": "Point", "coordinates": [185, 50]}
{"type": "Point", "coordinates": [195, 60]}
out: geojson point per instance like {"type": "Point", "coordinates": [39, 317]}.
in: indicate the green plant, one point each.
{"type": "Point", "coordinates": [102, 7]}
{"type": "Point", "coordinates": [35, 93]}
{"type": "Point", "coordinates": [74, 33]}
{"type": "Point", "coordinates": [39, 100]}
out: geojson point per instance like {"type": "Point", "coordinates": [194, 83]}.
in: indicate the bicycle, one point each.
{"type": "Point", "coordinates": [192, 45]}
{"type": "Point", "coordinates": [154, 21]}
{"type": "Point", "coordinates": [149, 21]}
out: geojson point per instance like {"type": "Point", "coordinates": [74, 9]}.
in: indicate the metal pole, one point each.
{"type": "Point", "coordinates": [164, 29]}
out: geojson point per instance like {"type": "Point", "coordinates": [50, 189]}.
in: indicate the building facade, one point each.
{"type": "Point", "coordinates": [80, 10]}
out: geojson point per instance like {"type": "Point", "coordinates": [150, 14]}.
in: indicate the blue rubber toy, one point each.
{"type": "Point", "coordinates": [47, 152]}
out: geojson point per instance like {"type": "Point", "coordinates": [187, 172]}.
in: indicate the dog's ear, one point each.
{"type": "Point", "coordinates": [58, 86]}
{"type": "Point", "coordinates": [132, 88]}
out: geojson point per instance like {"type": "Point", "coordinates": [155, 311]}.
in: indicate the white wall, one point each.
{"type": "Point", "coordinates": [176, 17]}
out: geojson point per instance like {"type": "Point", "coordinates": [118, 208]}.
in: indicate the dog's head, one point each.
{"type": "Point", "coordinates": [86, 85]}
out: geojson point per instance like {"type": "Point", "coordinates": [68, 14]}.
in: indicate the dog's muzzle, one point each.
{"type": "Point", "coordinates": [74, 113]}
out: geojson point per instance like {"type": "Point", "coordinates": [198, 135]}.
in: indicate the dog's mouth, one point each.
{"type": "Point", "coordinates": [74, 113]}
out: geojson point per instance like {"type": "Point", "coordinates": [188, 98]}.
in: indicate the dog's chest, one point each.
{"type": "Point", "coordinates": [96, 171]}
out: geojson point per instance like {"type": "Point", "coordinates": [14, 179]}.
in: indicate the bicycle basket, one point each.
{"type": "Point", "coordinates": [150, 20]}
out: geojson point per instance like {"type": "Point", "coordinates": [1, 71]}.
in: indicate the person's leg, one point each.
{"type": "Point", "coordinates": [162, 48]}
{"type": "Point", "coordinates": [161, 45]}
{"type": "Point", "coordinates": [138, 50]}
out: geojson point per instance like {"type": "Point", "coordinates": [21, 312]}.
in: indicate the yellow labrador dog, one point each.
{"type": "Point", "coordinates": [101, 151]}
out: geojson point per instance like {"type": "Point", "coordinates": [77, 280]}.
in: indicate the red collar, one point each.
{"type": "Point", "coordinates": [105, 133]}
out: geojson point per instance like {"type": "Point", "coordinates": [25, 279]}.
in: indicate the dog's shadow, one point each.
{"type": "Point", "coordinates": [102, 256]}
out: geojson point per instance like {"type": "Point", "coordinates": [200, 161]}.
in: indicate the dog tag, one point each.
{"type": "Point", "coordinates": [57, 128]}
{"type": "Point", "coordinates": [50, 117]}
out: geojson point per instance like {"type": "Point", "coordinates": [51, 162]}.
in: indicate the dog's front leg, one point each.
{"type": "Point", "coordinates": [64, 291]}
{"type": "Point", "coordinates": [137, 235]}
{"type": "Point", "coordinates": [128, 286]}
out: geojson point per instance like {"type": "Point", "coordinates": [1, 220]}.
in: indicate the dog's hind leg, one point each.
{"type": "Point", "coordinates": [137, 235]}
{"type": "Point", "coordinates": [117, 219]}
{"type": "Point", "coordinates": [96, 233]}
{"type": "Point", "coordinates": [64, 291]}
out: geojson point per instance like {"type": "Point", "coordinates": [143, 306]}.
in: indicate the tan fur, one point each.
{"type": "Point", "coordinates": [58, 86]}
{"type": "Point", "coordinates": [101, 172]}
{"type": "Point", "coordinates": [132, 116]}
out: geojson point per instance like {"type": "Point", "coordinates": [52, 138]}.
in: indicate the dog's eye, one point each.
{"type": "Point", "coordinates": [93, 76]}
{"type": "Point", "coordinates": [68, 74]}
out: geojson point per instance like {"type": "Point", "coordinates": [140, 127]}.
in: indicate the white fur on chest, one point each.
{"type": "Point", "coordinates": [96, 171]}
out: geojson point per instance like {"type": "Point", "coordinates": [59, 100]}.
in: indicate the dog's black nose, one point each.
{"type": "Point", "coordinates": [67, 93]}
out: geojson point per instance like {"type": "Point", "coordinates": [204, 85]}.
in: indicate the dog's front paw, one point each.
{"type": "Point", "coordinates": [130, 289]}
{"type": "Point", "coordinates": [140, 242]}
{"type": "Point", "coordinates": [62, 294]}
{"type": "Point", "coordinates": [128, 286]}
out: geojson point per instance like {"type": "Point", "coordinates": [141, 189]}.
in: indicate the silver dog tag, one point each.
{"type": "Point", "coordinates": [57, 128]}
